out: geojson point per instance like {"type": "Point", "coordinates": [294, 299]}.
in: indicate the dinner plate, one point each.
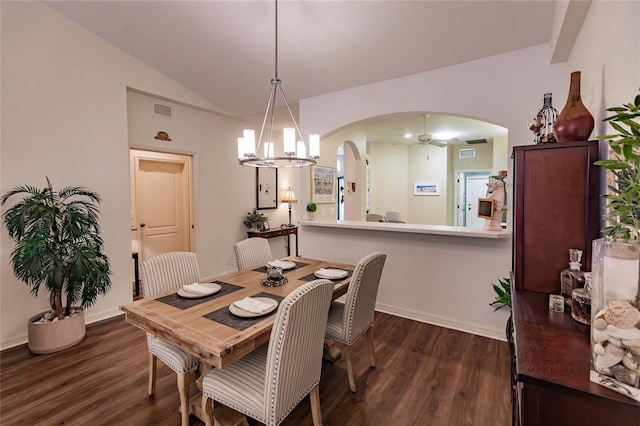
{"type": "Point", "coordinates": [246, 314]}
{"type": "Point", "coordinates": [335, 275]}
{"type": "Point", "coordinates": [284, 264]}
{"type": "Point", "coordinates": [191, 295]}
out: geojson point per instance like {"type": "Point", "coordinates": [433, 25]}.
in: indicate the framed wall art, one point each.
{"type": "Point", "coordinates": [323, 184]}
{"type": "Point", "coordinates": [426, 188]}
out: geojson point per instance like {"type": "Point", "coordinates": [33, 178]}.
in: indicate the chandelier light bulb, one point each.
{"type": "Point", "coordinates": [314, 145]}
{"type": "Point", "coordinates": [249, 137]}
{"type": "Point", "coordinates": [289, 136]}
{"type": "Point", "coordinates": [241, 148]}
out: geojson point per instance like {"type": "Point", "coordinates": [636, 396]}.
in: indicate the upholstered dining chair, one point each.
{"type": "Point", "coordinates": [160, 274]}
{"type": "Point", "coordinates": [268, 383]}
{"type": "Point", "coordinates": [350, 320]}
{"type": "Point", "coordinates": [252, 252]}
{"type": "Point", "coordinates": [394, 217]}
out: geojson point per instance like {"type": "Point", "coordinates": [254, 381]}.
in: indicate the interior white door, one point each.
{"type": "Point", "coordinates": [476, 188]}
{"type": "Point", "coordinates": [161, 202]}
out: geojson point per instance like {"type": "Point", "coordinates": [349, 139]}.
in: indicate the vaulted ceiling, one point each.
{"type": "Point", "coordinates": [224, 50]}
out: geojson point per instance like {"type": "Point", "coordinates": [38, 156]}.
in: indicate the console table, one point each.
{"type": "Point", "coordinates": [278, 232]}
{"type": "Point", "coordinates": [551, 370]}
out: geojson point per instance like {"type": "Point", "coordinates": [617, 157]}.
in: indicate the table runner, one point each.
{"type": "Point", "coordinates": [223, 316]}
{"type": "Point", "coordinates": [185, 303]}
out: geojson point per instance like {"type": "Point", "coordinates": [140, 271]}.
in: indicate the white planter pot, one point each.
{"type": "Point", "coordinates": [49, 337]}
{"type": "Point", "coordinates": [615, 316]}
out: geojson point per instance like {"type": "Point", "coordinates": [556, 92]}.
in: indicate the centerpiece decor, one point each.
{"type": "Point", "coordinates": [615, 313]}
{"type": "Point", "coordinates": [58, 245]}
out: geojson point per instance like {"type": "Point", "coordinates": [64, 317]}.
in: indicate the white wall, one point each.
{"type": "Point", "coordinates": [506, 90]}
{"type": "Point", "coordinates": [64, 105]}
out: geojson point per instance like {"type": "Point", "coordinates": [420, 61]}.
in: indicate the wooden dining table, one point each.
{"type": "Point", "coordinates": [205, 327]}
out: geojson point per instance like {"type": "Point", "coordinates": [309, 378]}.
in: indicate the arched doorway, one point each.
{"type": "Point", "coordinates": [348, 165]}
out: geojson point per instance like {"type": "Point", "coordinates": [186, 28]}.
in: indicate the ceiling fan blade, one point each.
{"type": "Point", "coordinates": [441, 144]}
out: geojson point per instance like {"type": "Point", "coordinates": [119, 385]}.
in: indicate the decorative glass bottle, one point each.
{"type": "Point", "coordinates": [542, 126]}
{"type": "Point", "coordinates": [581, 301]}
{"type": "Point", "coordinates": [572, 277]}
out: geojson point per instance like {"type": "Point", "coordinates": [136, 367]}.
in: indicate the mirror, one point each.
{"type": "Point", "coordinates": [266, 188]}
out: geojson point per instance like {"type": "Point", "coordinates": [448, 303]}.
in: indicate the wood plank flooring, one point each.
{"type": "Point", "coordinates": [425, 375]}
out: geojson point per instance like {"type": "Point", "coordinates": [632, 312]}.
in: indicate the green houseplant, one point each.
{"type": "Point", "coordinates": [623, 207]}
{"type": "Point", "coordinates": [254, 220]}
{"type": "Point", "coordinates": [58, 245]}
{"type": "Point", "coordinates": [311, 208]}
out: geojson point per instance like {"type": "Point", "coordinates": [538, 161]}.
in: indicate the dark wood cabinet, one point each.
{"type": "Point", "coordinates": [551, 370]}
{"type": "Point", "coordinates": [278, 232]}
{"type": "Point", "coordinates": [556, 208]}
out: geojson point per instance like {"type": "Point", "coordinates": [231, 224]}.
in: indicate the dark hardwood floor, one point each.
{"type": "Point", "coordinates": [426, 375]}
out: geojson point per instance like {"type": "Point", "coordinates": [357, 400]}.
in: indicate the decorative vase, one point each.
{"type": "Point", "coordinates": [615, 316]}
{"type": "Point", "coordinates": [575, 122]}
{"type": "Point", "coordinates": [310, 215]}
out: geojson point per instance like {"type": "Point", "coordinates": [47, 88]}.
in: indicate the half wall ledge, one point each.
{"type": "Point", "coordinates": [454, 231]}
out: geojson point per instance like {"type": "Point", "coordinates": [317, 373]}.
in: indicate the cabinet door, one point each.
{"type": "Point", "coordinates": [555, 209]}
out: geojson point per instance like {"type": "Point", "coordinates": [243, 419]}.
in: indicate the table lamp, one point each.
{"type": "Point", "coordinates": [289, 197]}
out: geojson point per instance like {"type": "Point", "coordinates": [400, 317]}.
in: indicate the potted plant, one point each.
{"type": "Point", "coordinates": [255, 220]}
{"type": "Point", "coordinates": [58, 245]}
{"type": "Point", "coordinates": [616, 257]}
{"type": "Point", "coordinates": [311, 208]}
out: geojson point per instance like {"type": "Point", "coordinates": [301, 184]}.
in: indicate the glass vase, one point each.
{"type": "Point", "coordinates": [615, 316]}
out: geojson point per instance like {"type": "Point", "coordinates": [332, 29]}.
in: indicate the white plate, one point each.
{"type": "Point", "coordinates": [284, 264]}
{"type": "Point", "coordinates": [342, 274]}
{"type": "Point", "coordinates": [190, 295]}
{"type": "Point", "coordinates": [246, 314]}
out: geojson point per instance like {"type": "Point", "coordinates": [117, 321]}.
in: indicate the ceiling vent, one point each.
{"type": "Point", "coordinates": [467, 153]}
{"type": "Point", "coordinates": [476, 141]}
{"type": "Point", "coordinates": [162, 110]}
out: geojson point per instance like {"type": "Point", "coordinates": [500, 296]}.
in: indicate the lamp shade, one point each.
{"type": "Point", "coordinates": [289, 196]}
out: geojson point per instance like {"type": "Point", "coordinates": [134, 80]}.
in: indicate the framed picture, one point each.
{"type": "Point", "coordinates": [485, 208]}
{"type": "Point", "coordinates": [426, 188]}
{"type": "Point", "coordinates": [323, 184]}
{"type": "Point", "coordinates": [266, 188]}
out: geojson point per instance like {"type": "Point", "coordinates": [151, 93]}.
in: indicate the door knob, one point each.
{"type": "Point", "coordinates": [142, 225]}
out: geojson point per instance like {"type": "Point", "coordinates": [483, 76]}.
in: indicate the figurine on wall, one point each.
{"type": "Point", "coordinates": [497, 192]}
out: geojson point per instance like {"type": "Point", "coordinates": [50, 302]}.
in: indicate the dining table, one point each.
{"type": "Point", "coordinates": [207, 328]}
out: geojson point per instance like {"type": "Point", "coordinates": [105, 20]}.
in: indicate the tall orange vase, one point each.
{"type": "Point", "coordinates": [575, 122]}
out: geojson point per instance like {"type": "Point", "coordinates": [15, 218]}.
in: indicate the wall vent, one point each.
{"type": "Point", "coordinates": [162, 110]}
{"type": "Point", "coordinates": [476, 141]}
{"type": "Point", "coordinates": [467, 153]}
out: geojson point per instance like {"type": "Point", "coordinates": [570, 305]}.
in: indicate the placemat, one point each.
{"type": "Point", "coordinates": [223, 316]}
{"type": "Point", "coordinates": [299, 265]}
{"type": "Point", "coordinates": [184, 303]}
{"type": "Point", "coordinates": [312, 277]}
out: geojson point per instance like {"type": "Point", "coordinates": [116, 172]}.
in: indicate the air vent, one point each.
{"type": "Point", "coordinates": [476, 141]}
{"type": "Point", "coordinates": [162, 110]}
{"type": "Point", "coordinates": [467, 153]}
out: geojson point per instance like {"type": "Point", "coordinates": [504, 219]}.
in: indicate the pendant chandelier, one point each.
{"type": "Point", "coordinates": [296, 151]}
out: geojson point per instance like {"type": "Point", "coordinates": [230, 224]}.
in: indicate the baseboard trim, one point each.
{"type": "Point", "coordinates": [446, 322]}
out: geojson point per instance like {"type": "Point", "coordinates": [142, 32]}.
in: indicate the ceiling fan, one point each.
{"type": "Point", "coordinates": [427, 139]}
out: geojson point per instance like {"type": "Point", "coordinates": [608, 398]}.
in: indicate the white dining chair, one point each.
{"type": "Point", "coordinates": [252, 252]}
{"type": "Point", "coordinates": [160, 274]}
{"type": "Point", "coordinates": [394, 217]}
{"type": "Point", "coordinates": [350, 320]}
{"type": "Point", "coordinates": [268, 383]}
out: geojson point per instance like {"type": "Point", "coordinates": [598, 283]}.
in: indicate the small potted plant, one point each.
{"type": "Point", "coordinates": [58, 246]}
{"type": "Point", "coordinates": [255, 220]}
{"type": "Point", "coordinates": [311, 208]}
